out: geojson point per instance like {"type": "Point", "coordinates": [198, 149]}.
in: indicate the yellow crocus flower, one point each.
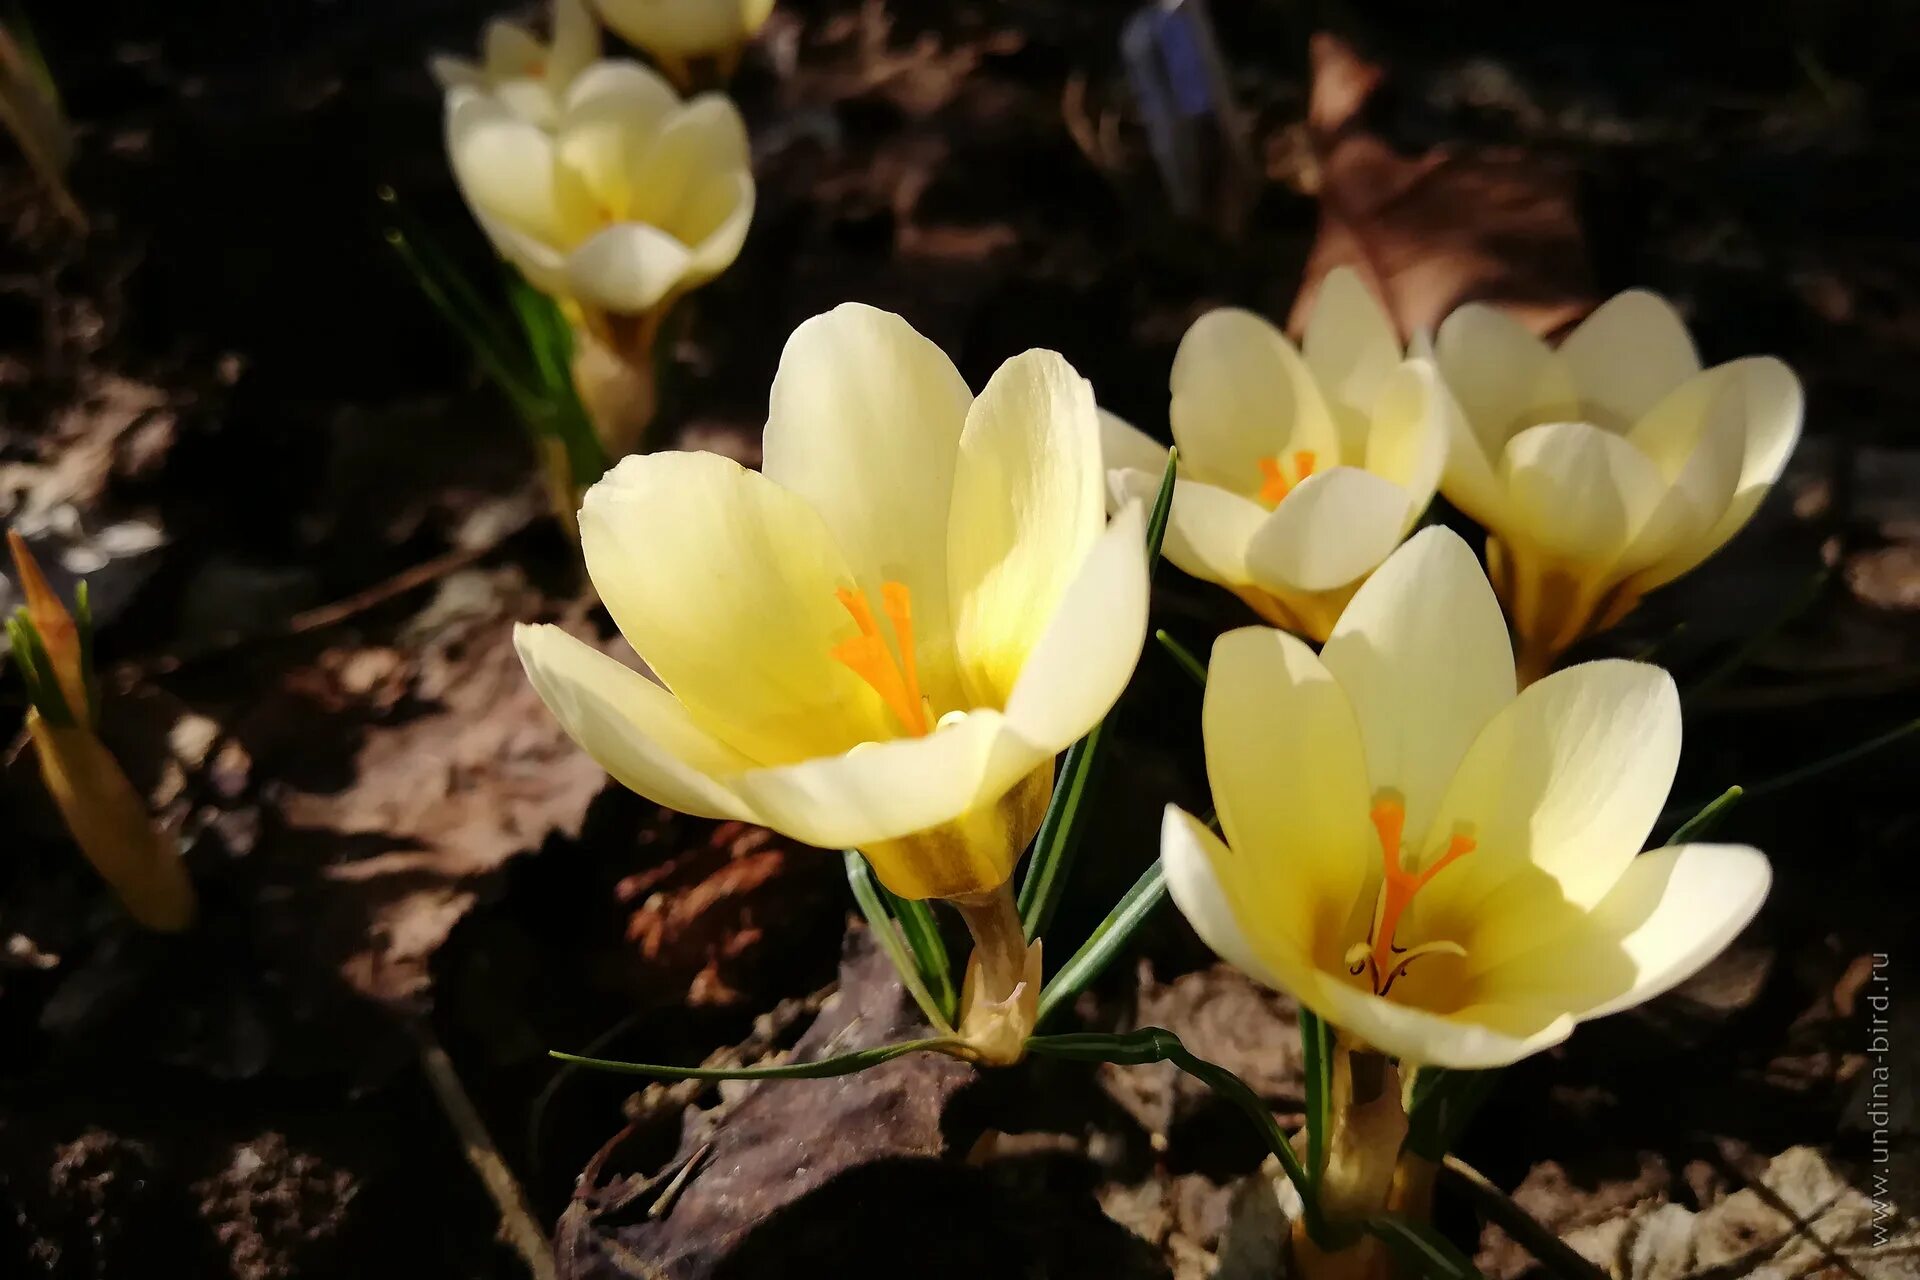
{"type": "Point", "coordinates": [1300, 470]}
{"type": "Point", "coordinates": [1606, 467]}
{"type": "Point", "coordinates": [1443, 870]}
{"type": "Point", "coordinates": [529, 75]}
{"type": "Point", "coordinates": [674, 33]}
{"type": "Point", "coordinates": [879, 641]}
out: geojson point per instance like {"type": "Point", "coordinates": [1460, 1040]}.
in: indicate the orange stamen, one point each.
{"type": "Point", "coordinates": [1398, 885]}
{"type": "Point", "coordinates": [894, 678]}
{"type": "Point", "coordinates": [1276, 484]}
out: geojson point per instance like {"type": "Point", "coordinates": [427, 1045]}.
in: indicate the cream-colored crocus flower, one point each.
{"type": "Point", "coordinates": [1445, 871]}
{"type": "Point", "coordinates": [1299, 470]}
{"type": "Point", "coordinates": [1609, 466]}
{"type": "Point", "coordinates": [675, 33]}
{"type": "Point", "coordinates": [527, 74]}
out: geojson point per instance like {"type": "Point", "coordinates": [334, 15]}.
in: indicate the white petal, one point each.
{"type": "Point", "coordinates": [1289, 777]}
{"type": "Point", "coordinates": [1628, 355]}
{"type": "Point", "coordinates": [504, 164]}
{"type": "Point", "coordinates": [717, 215]}
{"type": "Point", "coordinates": [544, 266]}
{"type": "Point", "coordinates": [1469, 1039]}
{"type": "Point", "coordinates": [1504, 378]}
{"type": "Point", "coordinates": [724, 583]}
{"type": "Point", "coordinates": [634, 729]}
{"type": "Point", "coordinates": [1124, 446]}
{"type": "Point", "coordinates": [1568, 779]}
{"type": "Point", "coordinates": [1407, 432]}
{"type": "Point", "coordinates": [1423, 654]}
{"type": "Point", "coordinates": [885, 790]}
{"type": "Point", "coordinates": [627, 269]}
{"type": "Point", "coordinates": [1189, 854]}
{"type": "Point", "coordinates": [864, 423]}
{"type": "Point", "coordinates": [1241, 393]}
{"type": "Point", "coordinates": [456, 73]}
{"type": "Point", "coordinates": [1350, 344]}
{"type": "Point", "coordinates": [1578, 491]}
{"type": "Point", "coordinates": [1079, 665]}
{"type": "Point", "coordinates": [1028, 503]}
{"type": "Point", "coordinates": [624, 85]}
{"type": "Point", "coordinates": [576, 41]}
{"type": "Point", "coordinates": [1208, 529]}
{"type": "Point", "coordinates": [1334, 527]}
{"type": "Point", "coordinates": [702, 138]}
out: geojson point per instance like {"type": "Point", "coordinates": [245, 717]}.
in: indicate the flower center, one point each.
{"type": "Point", "coordinates": [1276, 483]}
{"type": "Point", "coordinates": [889, 673]}
{"type": "Point", "coordinates": [1379, 957]}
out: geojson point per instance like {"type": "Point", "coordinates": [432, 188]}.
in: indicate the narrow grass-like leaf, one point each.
{"type": "Point", "coordinates": [1108, 939]}
{"type": "Point", "coordinates": [1065, 820]}
{"type": "Point", "coordinates": [36, 670]}
{"type": "Point", "coordinates": [1554, 1254]}
{"type": "Point", "coordinates": [1157, 1044]}
{"type": "Point", "coordinates": [888, 934]}
{"type": "Point", "coordinates": [1710, 814]}
{"type": "Point", "coordinates": [844, 1065]}
{"type": "Point", "coordinates": [1422, 1251]}
{"type": "Point", "coordinates": [1444, 1101]}
{"type": "Point", "coordinates": [1794, 777]}
{"type": "Point", "coordinates": [549, 341]}
{"type": "Point", "coordinates": [83, 628]}
{"type": "Point", "coordinates": [922, 933]}
{"type": "Point", "coordinates": [1183, 658]}
{"type": "Point", "coordinates": [1316, 1038]}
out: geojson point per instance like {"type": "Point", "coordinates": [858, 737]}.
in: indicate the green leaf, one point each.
{"type": "Point", "coordinates": [1183, 658]}
{"type": "Point", "coordinates": [83, 628]}
{"type": "Point", "coordinates": [549, 339]}
{"type": "Point", "coordinates": [1709, 815]}
{"type": "Point", "coordinates": [922, 933]}
{"type": "Point", "coordinates": [1444, 1101]}
{"type": "Point", "coordinates": [1793, 777]}
{"type": "Point", "coordinates": [1422, 1251]}
{"type": "Point", "coordinates": [886, 931]}
{"type": "Point", "coordinates": [1316, 1038]}
{"type": "Point", "coordinates": [844, 1065]}
{"type": "Point", "coordinates": [36, 671]}
{"type": "Point", "coordinates": [1064, 822]}
{"type": "Point", "coordinates": [1157, 1044]}
{"type": "Point", "coordinates": [1113, 934]}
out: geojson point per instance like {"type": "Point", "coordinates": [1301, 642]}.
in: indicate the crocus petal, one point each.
{"type": "Point", "coordinates": [1241, 394]}
{"type": "Point", "coordinates": [1125, 447]}
{"type": "Point", "coordinates": [504, 164]}
{"type": "Point", "coordinates": [450, 72]}
{"type": "Point", "coordinates": [627, 269]}
{"type": "Point", "coordinates": [509, 49]}
{"type": "Point", "coordinates": [1335, 526]}
{"type": "Point", "coordinates": [1289, 778]}
{"type": "Point", "coordinates": [885, 790]}
{"type": "Point", "coordinates": [576, 40]}
{"type": "Point", "coordinates": [1671, 911]}
{"type": "Point", "coordinates": [1208, 529]}
{"type": "Point", "coordinates": [864, 423]}
{"type": "Point", "coordinates": [716, 217]}
{"type": "Point", "coordinates": [684, 28]}
{"type": "Point", "coordinates": [621, 84]}
{"type": "Point", "coordinates": [1463, 1040]}
{"type": "Point", "coordinates": [1629, 355]}
{"type": "Point", "coordinates": [1028, 502]}
{"type": "Point", "coordinates": [1351, 346]}
{"type": "Point", "coordinates": [612, 116]}
{"type": "Point", "coordinates": [544, 266]}
{"type": "Point", "coordinates": [1504, 378]}
{"type": "Point", "coordinates": [1406, 438]}
{"type": "Point", "coordinates": [634, 729]}
{"type": "Point", "coordinates": [1076, 669]}
{"type": "Point", "coordinates": [1423, 654]}
{"type": "Point", "coordinates": [1568, 778]}
{"type": "Point", "coordinates": [724, 583]}
{"type": "Point", "coordinates": [705, 136]}
{"type": "Point", "coordinates": [1198, 869]}
{"type": "Point", "coordinates": [1578, 491]}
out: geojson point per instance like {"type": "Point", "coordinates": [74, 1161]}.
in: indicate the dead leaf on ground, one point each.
{"type": "Point", "coordinates": [1427, 232]}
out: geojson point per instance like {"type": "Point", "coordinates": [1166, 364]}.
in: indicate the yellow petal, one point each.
{"type": "Point", "coordinates": [1206, 883]}
{"type": "Point", "coordinates": [1289, 779]}
{"type": "Point", "coordinates": [1124, 446]}
{"type": "Point", "coordinates": [1078, 666]}
{"type": "Point", "coordinates": [865, 424]}
{"type": "Point", "coordinates": [509, 49]}
{"type": "Point", "coordinates": [612, 117]}
{"type": "Point", "coordinates": [1504, 378]}
{"type": "Point", "coordinates": [703, 138]}
{"type": "Point", "coordinates": [633, 728]}
{"type": "Point", "coordinates": [1027, 505]}
{"type": "Point", "coordinates": [1628, 356]}
{"type": "Point", "coordinates": [620, 86]}
{"type": "Point", "coordinates": [1241, 394]}
{"type": "Point", "coordinates": [1407, 432]}
{"type": "Point", "coordinates": [1474, 1038]}
{"type": "Point", "coordinates": [1568, 778]}
{"type": "Point", "coordinates": [627, 269]}
{"type": "Point", "coordinates": [715, 217]}
{"type": "Point", "coordinates": [576, 41]}
{"type": "Point", "coordinates": [685, 28]}
{"type": "Point", "coordinates": [1352, 347]}
{"type": "Point", "coordinates": [504, 164]}
{"type": "Point", "coordinates": [1335, 527]}
{"type": "Point", "coordinates": [1423, 655]}
{"type": "Point", "coordinates": [724, 583]}
{"type": "Point", "coordinates": [1208, 529]}
{"type": "Point", "coordinates": [1577, 491]}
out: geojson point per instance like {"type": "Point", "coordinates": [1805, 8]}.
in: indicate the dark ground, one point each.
{"type": "Point", "coordinates": [231, 407]}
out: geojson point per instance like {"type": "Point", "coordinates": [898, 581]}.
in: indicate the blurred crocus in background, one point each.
{"type": "Point", "coordinates": [1609, 466]}
{"type": "Point", "coordinates": [629, 201]}
{"type": "Point", "coordinates": [882, 640]}
{"type": "Point", "coordinates": [680, 34]}
{"type": "Point", "coordinates": [1300, 470]}
{"type": "Point", "coordinates": [529, 76]}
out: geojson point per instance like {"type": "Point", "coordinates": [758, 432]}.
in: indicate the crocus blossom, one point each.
{"type": "Point", "coordinates": [674, 32]}
{"type": "Point", "coordinates": [1609, 466]}
{"type": "Point", "coordinates": [880, 640]}
{"type": "Point", "coordinates": [1300, 470]}
{"type": "Point", "coordinates": [632, 198]}
{"type": "Point", "coordinates": [529, 76]}
{"type": "Point", "coordinates": [1446, 871]}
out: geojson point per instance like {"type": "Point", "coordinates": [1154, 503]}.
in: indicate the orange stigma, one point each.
{"type": "Point", "coordinates": [868, 656]}
{"type": "Point", "coordinates": [1277, 485]}
{"type": "Point", "coordinates": [1398, 887]}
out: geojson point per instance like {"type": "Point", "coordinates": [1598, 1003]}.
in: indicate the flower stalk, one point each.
{"type": "Point", "coordinates": [1369, 1123]}
{"type": "Point", "coordinates": [1000, 1003]}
